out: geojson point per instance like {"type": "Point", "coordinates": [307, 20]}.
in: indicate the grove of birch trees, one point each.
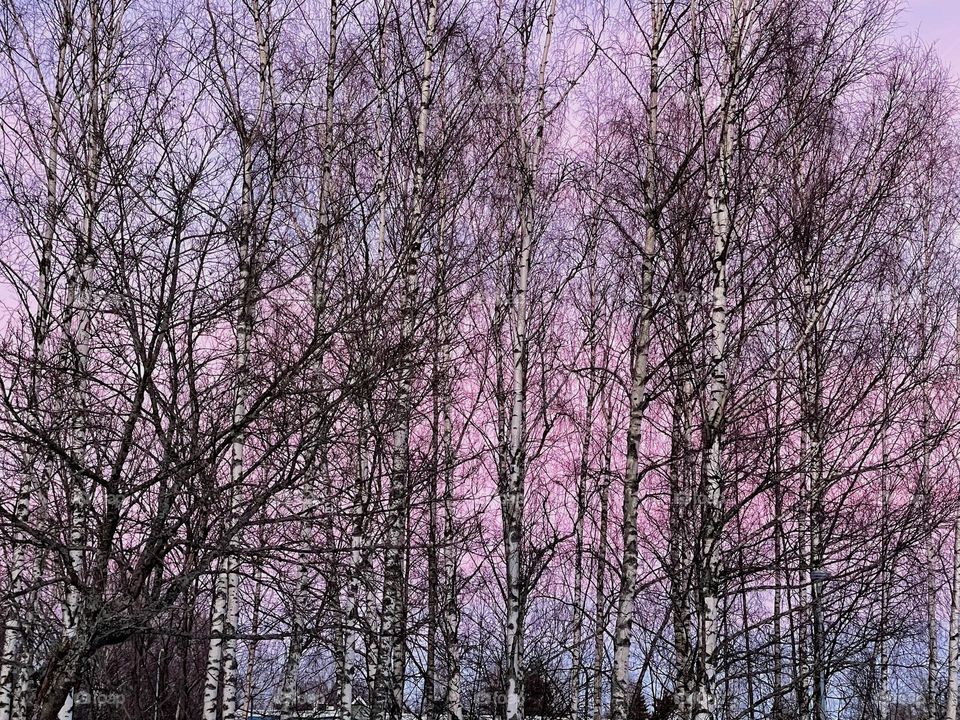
{"type": "Point", "coordinates": [477, 360]}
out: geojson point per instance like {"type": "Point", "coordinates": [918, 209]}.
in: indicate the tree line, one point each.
{"type": "Point", "coordinates": [462, 360]}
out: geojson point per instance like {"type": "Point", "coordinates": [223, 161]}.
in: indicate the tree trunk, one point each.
{"type": "Point", "coordinates": [389, 654]}
{"type": "Point", "coordinates": [713, 471]}
{"type": "Point", "coordinates": [640, 350]}
{"type": "Point", "coordinates": [221, 655]}
{"type": "Point", "coordinates": [583, 478]}
{"type": "Point", "coordinates": [19, 616]}
{"type": "Point", "coordinates": [600, 570]}
{"type": "Point", "coordinates": [512, 490]}
{"type": "Point", "coordinates": [953, 648]}
{"type": "Point", "coordinates": [681, 487]}
{"type": "Point", "coordinates": [254, 641]}
{"type": "Point", "coordinates": [295, 647]}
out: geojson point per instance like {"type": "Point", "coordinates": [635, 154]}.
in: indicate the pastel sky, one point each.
{"type": "Point", "coordinates": [937, 22]}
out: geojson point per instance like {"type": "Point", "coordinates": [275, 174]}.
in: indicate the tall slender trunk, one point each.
{"type": "Point", "coordinates": [18, 615]}
{"type": "Point", "coordinates": [230, 644]}
{"type": "Point", "coordinates": [220, 685]}
{"type": "Point", "coordinates": [513, 464]}
{"type": "Point", "coordinates": [933, 626]}
{"type": "Point", "coordinates": [80, 309]}
{"type": "Point", "coordinates": [953, 640]}
{"type": "Point", "coordinates": [389, 665]}
{"type": "Point", "coordinates": [600, 570]}
{"type": "Point", "coordinates": [681, 486]}
{"type": "Point", "coordinates": [451, 611]}
{"type": "Point", "coordinates": [359, 562]}
{"type": "Point", "coordinates": [368, 459]}
{"type": "Point", "coordinates": [805, 686]}
{"type": "Point", "coordinates": [640, 351]}
{"type": "Point", "coordinates": [254, 642]}
{"type": "Point", "coordinates": [449, 576]}
{"type": "Point", "coordinates": [953, 647]}
{"type": "Point", "coordinates": [428, 708]}
{"type": "Point", "coordinates": [583, 478]}
{"type": "Point", "coordinates": [351, 603]}
{"type": "Point", "coordinates": [714, 427]}
{"type": "Point", "coordinates": [718, 191]}
{"type": "Point", "coordinates": [219, 627]}
{"type": "Point", "coordinates": [221, 653]}
{"type": "Point", "coordinates": [927, 489]}
{"type": "Point", "coordinates": [373, 616]}
{"type": "Point", "coordinates": [780, 577]}
{"type": "Point", "coordinates": [295, 647]}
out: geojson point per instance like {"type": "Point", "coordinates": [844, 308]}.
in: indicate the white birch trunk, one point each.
{"type": "Point", "coordinates": [222, 649]}
{"type": "Point", "coordinates": [372, 617]}
{"type": "Point", "coordinates": [811, 516]}
{"type": "Point", "coordinates": [230, 647]}
{"type": "Point", "coordinates": [805, 687]}
{"type": "Point", "coordinates": [351, 620]}
{"type": "Point", "coordinates": [311, 494]}
{"type": "Point", "coordinates": [579, 595]}
{"type": "Point", "coordinates": [600, 571]}
{"type": "Point", "coordinates": [221, 653]}
{"type": "Point", "coordinates": [449, 575]}
{"type": "Point", "coordinates": [640, 351]}
{"type": "Point", "coordinates": [718, 190]}
{"type": "Point", "coordinates": [953, 647]}
{"type": "Point", "coordinates": [79, 329]}
{"type": "Point", "coordinates": [354, 587]}
{"type": "Point", "coordinates": [512, 490]}
{"type": "Point", "coordinates": [211, 688]}
{"type": "Point", "coordinates": [953, 640]}
{"type": "Point", "coordinates": [680, 580]}
{"type": "Point", "coordinates": [291, 664]}
{"type": "Point", "coordinates": [932, 629]}
{"type": "Point", "coordinates": [926, 488]}
{"type": "Point", "coordinates": [248, 690]}
{"type": "Point", "coordinates": [19, 616]}
{"type": "Point", "coordinates": [451, 610]}
{"type": "Point", "coordinates": [716, 398]}
{"type": "Point", "coordinates": [389, 669]}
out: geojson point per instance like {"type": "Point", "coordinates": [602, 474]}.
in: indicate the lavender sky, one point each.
{"type": "Point", "coordinates": [937, 22]}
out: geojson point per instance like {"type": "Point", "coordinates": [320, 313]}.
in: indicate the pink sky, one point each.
{"type": "Point", "coordinates": [937, 22]}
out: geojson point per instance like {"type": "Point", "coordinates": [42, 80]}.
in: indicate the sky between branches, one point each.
{"type": "Point", "coordinates": [937, 22]}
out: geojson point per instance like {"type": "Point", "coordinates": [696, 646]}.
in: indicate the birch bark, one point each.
{"type": "Point", "coordinates": [681, 487]}
{"type": "Point", "coordinates": [600, 570]}
{"type": "Point", "coordinates": [291, 663]}
{"type": "Point", "coordinates": [449, 575]}
{"type": "Point", "coordinates": [18, 617]}
{"type": "Point", "coordinates": [248, 689]}
{"type": "Point", "coordinates": [640, 351]}
{"type": "Point", "coordinates": [388, 687]}
{"type": "Point", "coordinates": [451, 611]}
{"type": "Point", "coordinates": [953, 639]}
{"type": "Point", "coordinates": [718, 191]}
{"type": "Point", "coordinates": [592, 392]}
{"type": "Point", "coordinates": [312, 501]}
{"type": "Point", "coordinates": [220, 681]}
{"type": "Point", "coordinates": [926, 487]}
{"type": "Point", "coordinates": [513, 465]}
{"type": "Point", "coordinates": [953, 646]}
{"type": "Point", "coordinates": [80, 316]}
